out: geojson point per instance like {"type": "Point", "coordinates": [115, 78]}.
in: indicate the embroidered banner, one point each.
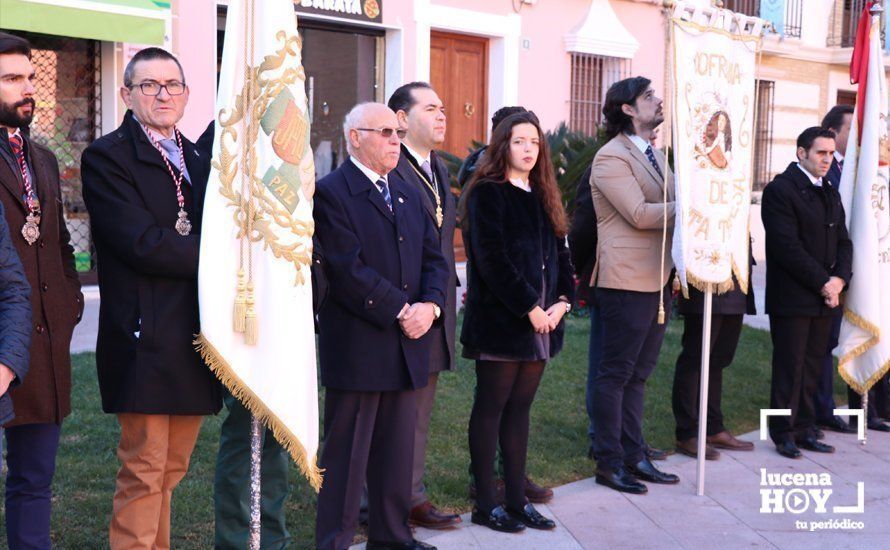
{"type": "Point", "coordinates": [864, 343]}
{"type": "Point", "coordinates": [713, 144]}
{"type": "Point", "coordinates": [254, 285]}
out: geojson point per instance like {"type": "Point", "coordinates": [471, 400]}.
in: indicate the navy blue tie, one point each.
{"type": "Point", "coordinates": [651, 156]}
{"type": "Point", "coordinates": [384, 190]}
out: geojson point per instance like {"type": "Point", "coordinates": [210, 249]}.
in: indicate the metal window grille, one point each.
{"type": "Point", "coordinates": [763, 132]}
{"type": "Point", "coordinates": [844, 23]}
{"type": "Point", "coordinates": [67, 119]}
{"type": "Point", "coordinates": [591, 77]}
{"type": "Point", "coordinates": [793, 13]}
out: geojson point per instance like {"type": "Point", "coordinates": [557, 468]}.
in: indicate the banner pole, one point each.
{"type": "Point", "coordinates": [256, 451]}
{"type": "Point", "coordinates": [703, 388]}
{"type": "Point", "coordinates": [864, 418]}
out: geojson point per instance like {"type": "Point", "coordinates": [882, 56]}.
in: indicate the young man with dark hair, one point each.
{"type": "Point", "coordinates": [628, 188]}
{"type": "Point", "coordinates": [144, 187]}
{"type": "Point", "coordinates": [808, 263]}
{"type": "Point", "coordinates": [421, 113]}
{"type": "Point", "coordinates": [31, 197]}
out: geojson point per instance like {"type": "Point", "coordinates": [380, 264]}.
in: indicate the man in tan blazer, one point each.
{"type": "Point", "coordinates": [633, 265]}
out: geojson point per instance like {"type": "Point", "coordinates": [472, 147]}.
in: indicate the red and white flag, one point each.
{"type": "Point", "coordinates": [864, 345]}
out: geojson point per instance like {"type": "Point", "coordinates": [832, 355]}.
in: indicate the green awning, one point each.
{"type": "Point", "coordinates": [134, 21]}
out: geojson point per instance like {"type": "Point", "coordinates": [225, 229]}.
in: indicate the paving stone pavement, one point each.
{"type": "Point", "coordinates": [728, 517]}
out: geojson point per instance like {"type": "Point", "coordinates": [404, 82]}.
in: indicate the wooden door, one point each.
{"type": "Point", "coordinates": [459, 73]}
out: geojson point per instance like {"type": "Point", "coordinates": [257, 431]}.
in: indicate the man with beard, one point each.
{"type": "Point", "coordinates": [631, 274]}
{"type": "Point", "coordinates": [31, 197]}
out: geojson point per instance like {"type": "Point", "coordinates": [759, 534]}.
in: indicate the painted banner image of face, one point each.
{"type": "Point", "coordinates": [717, 140]}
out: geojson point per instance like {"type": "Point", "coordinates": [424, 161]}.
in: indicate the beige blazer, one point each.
{"type": "Point", "coordinates": [628, 196]}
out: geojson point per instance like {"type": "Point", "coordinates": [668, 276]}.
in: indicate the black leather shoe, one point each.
{"type": "Point", "coordinates": [813, 444]}
{"type": "Point", "coordinates": [836, 424]}
{"type": "Point", "coordinates": [788, 449]}
{"type": "Point", "coordinates": [621, 480]}
{"type": "Point", "coordinates": [655, 454]}
{"type": "Point", "coordinates": [646, 471]}
{"type": "Point", "coordinates": [498, 519]}
{"type": "Point", "coordinates": [412, 545]}
{"type": "Point", "coordinates": [819, 434]}
{"type": "Point", "coordinates": [878, 425]}
{"type": "Point", "coordinates": [531, 518]}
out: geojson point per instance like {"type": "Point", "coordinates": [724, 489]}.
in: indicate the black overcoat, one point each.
{"type": "Point", "coordinates": [377, 261]}
{"type": "Point", "coordinates": [806, 244]}
{"type": "Point", "coordinates": [148, 276]}
{"type": "Point", "coordinates": [512, 252]}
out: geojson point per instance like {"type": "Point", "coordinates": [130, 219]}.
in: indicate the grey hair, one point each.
{"type": "Point", "coordinates": [149, 54]}
{"type": "Point", "coordinates": [353, 120]}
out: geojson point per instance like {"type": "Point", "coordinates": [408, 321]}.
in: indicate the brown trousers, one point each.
{"type": "Point", "coordinates": [154, 452]}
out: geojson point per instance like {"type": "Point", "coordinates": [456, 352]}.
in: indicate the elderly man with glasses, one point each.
{"type": "Point", "coordinates": [387, 283]}
{"type": "Point", "coordinates": [144, 187]}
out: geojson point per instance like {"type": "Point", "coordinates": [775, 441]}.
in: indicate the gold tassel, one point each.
{"type": "Point", "coordinates": [251, 326]}
{"type": "Point", "coordinates": [661, 313]}
{"type": "Point", "coordinates": [240, 311]}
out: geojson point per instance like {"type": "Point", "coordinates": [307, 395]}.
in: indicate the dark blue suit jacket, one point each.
{"type": "Point", "coordinates": [834, 174]}
{"type": "Point", "coordinates": [377, 261]}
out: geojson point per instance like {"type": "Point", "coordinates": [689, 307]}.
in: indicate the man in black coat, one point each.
{"type": "Point", "coordinates": [808, 263]}
{"type": "Point", "coordinates": [727, 312]}
{"type": "Point", "coordinates": [144, 187]}
{"type": "Point", "coordinates": [387, 287]}
{"type": "Point", "coordinates": [421, 113]}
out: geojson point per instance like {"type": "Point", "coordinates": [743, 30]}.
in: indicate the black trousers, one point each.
{"type": "Point", "coordinates": [368, 437]}
{"type": "Point", "coordinates": [632, 340]}
{"type": "Point", "coordinates": [824, 398]}
{"type": "Point", "coordinates": [878, 399]}
{"type": "Point", "coordinates": [725, 332]}
{"type": "Point", "coordinates": [799, 345]}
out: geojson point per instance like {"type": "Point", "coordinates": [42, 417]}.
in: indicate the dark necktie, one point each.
{"type": "Point", "coordinates": [651, 156]}
{"type": "Point", "coordinates": [383, 187]}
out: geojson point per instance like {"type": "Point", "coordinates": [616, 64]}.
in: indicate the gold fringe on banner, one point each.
{"type": "Point", "coordinates": [243, 393]}
{"type": "Point", "coordinates": [702, 285]}
{"type": "Point", "coordinates": [858, 321]}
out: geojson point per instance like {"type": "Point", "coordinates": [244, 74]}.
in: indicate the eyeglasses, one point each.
{"type": "Point", "coordinates": [386, 132]}
{"type": "Point", "coordinates": [154, 88]}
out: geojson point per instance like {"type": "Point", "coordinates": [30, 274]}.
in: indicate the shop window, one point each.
{"type": "Point", "coordinates": [66, 120]}
{"type": "Point", "coordinates": [591, 77]}
{"type": "Point", "coordinates": [763, 132]}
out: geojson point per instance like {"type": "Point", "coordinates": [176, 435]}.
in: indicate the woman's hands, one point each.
{"type": "Point", "coordinates": [547, 321]}
{"type": "Point", "coordinates": [540, 320]}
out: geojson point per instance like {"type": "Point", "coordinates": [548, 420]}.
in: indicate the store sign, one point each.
{"type": "Point", "coordinates": [359, 10]}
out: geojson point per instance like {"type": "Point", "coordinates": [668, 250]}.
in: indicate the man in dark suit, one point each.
{"type": "Point", "coordinates": [808, 263]}
{"type": "Point", "coordinates": [144, 187]}
{"type": "Point", "coordinates": [727, 312]}
{"type": "Point", "coordinates": [838, 119]}
{"type": "Point", "coordinates": [387, 286]}
{"type": "Point", "coordinates": [29, 173]}
{"type": "Point", "coordinates": [421, 113]}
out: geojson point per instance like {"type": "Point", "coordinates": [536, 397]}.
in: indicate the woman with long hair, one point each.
{"type": "Point", "coordinates": [520, 287]}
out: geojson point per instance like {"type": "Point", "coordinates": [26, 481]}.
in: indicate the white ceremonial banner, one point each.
{"type": "Point", "coordinates": [864, 343]}
{"type": "Point", "coordinates": [713, 144]}
{"type": "Point", "coordinates": [254, 282]}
